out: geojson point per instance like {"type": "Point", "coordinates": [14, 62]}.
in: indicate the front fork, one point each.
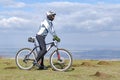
{"type": "Point", "coordinates": [58, 55]}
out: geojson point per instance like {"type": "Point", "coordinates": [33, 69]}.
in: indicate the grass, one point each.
{"type": "Point", "coordinates": [80, 70]}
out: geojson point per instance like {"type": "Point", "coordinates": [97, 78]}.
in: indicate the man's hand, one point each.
{"type": "Point", "coordinates": [56, 38]}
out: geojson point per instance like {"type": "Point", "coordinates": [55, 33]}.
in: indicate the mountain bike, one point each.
{"type": "Point", "coordinates": [60, 59]}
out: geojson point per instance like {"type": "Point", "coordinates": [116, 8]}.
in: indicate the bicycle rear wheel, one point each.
{"type": "Point", "coordinates": [24, 58]}
{"type": "Point", "coordinates": [61, 60]}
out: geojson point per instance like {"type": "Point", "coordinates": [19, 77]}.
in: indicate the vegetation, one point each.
{"type": "Point", "coordinates": [80, 70]}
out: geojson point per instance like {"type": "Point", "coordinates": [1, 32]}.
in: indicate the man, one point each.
{"type": "Point", "coordinates": [46, 27]}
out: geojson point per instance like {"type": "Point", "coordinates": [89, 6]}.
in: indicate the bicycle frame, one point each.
{"type": "Point", "coordinates": [51, 44]}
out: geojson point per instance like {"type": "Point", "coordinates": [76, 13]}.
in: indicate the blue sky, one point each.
{"type": "Point", "coordinates": [81, 24]}
{"type": "Point", "coordinates": [82, 1]}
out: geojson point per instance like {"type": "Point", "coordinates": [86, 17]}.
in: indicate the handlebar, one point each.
{"type": "Point", "coordinates": [56, 43]}
{"type": "Point", "coordinates": [33, 40]}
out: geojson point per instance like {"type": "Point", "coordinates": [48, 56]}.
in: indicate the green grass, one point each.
{"type": "Point", "coordinates": [81, 70]}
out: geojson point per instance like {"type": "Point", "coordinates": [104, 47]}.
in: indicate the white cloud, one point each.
{"type": "Point", "coordinates": [13, 22]}
{"type": "Point", "coordinates": [92, 17]}
{"type": "Point", "coordinates": [74, 17]}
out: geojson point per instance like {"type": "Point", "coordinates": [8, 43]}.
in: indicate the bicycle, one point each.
{"type": "Point", "coordinates": [60, 59]}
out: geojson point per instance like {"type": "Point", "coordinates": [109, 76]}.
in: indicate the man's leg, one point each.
{"type": "Point", "coordinates": [41, 41]}
{"type": "Point", "coordinates": [42, 59]}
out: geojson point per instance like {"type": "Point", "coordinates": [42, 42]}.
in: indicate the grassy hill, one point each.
{"type": "Point", "coordinates": [80, 70]}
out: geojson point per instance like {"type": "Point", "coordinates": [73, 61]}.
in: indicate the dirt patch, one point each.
{"type": "Point", "coordinates": [76, 65]}
{"type": "Point", "coordinates": [101, 74]}
{"type": "Point", "coordinates": [103, 63]}
{"type": "Point", "coordinates": [87, 64]}
{"type": "Point", "coordinates": [11, 67]}
{"type": "Point", "coordinates": [83, 64]}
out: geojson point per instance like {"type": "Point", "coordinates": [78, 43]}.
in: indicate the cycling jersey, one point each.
{"type": "Point", "coordinates": [46, 26]}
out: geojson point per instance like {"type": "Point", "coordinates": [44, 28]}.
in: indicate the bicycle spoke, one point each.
{"type": "Point", "coordinates": [24, 58]}
{"type": "Point", "coordinates": [61, 61]}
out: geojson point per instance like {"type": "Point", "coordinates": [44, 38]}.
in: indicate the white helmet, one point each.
{"type": "Point", "coordinates": [50, 15]}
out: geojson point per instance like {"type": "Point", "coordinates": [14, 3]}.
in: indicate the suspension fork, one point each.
{"type": "Point", "coordinates": [58, 54]}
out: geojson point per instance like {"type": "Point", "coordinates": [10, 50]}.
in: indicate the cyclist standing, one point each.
{"type": "Point", "coordinates": [46, 27]}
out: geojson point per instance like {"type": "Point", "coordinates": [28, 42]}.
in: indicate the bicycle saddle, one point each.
{"type": "Point", "coordinates": [31, 39]}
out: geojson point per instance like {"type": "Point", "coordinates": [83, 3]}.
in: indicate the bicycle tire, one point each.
{"type": "Point", "coordinates": [67, 57]}
{"type": "Point", "coordinates": [20, 57]}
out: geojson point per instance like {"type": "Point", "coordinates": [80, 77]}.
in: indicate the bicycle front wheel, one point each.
{"type": "Point", "coordinates": [24, 58]}
{"type": "Point", "coordinates": [61, 60]}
